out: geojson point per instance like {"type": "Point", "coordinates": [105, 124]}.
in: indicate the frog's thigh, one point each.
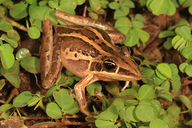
{"type": "Point", "coordinates": [46, 48]}
{"type": "Point", "coordinates": [55, 67]}
{"type": "Point", "coordinates": [80, 92]}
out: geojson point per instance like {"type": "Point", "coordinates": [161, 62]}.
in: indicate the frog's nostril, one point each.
{"type": "Point", "coordinates": [75, 55]}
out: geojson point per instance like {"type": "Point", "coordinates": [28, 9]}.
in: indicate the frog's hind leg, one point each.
{"type": "Point", "coordinates": [50, 61]}
{"type": "Point", "coordinates": [80, 92]}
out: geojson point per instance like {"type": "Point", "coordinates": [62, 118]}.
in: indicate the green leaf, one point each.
{"type": "Point", "coordinates": [49, 15]}
{"type": "Point", "coordinates": [156, 104]}
{"type": "Point", "coordinates": [7, 47]}
{"type": "Point", "coordinates": [7, 57]}
{"type": "Point", "coordinates": [7, 114]}
{"type": "Point", "coordinates": [5, 107]}
{"type": "Point", "coordinates": [93, 15]}
{"type": "Point", "coordinates": [31, 64]}
{"type": "Point", "coordinates": [178, 42]}
{"type": "Point", "coordinates": [166, 33]}
{"type": "Point", "coordinates": [129, 4]}
{"type": "Point", "coordinates": [175, 77]}
{"type": "Point", "coordinates": [185, 32]}
{"type": "Point", "coordinates": [118, 13]}
{"type": "Point", "coordinates": [73, 109]}
{"type": "Point", "coordinates": [158, 123]}
{"type": "Point", "coordinates": [3, 10]}
{"type": "Point", "coordinates": [114, 5]}
{"type": "Point", "coordinates": [130, 113]}
{"type": "Point", "coordinates": [132, 38]}
{"type": "Point", "coordinates": [173, 112]}
{"type": "Point", "coordinates": [187, 3]}
{"type": "Point", "coordinates": [19, 11]}
{"type": "Point", "coordinates": [64, 103]}
{"type": "Point", "coordinates": [143, 35]}
{"type": "Point", "coordinates": [159, 6]}
{"type": "Point", "coordinates": [166, 85]}
{"type": "Point", "coordinates": [188, 70]}
{"type": "Point", "coordinates": [112, 88]}
{"type": "Point", "coordinates": [174, 69]}
{"type": "Point", "coordinates": [128, 93]}
{"type": "Point", "coordinates": [14, 35]}
{"type": "Point", "coordinates": [129, 102]}
{"type": "Point", "coordinates": [38, 24]}
{"type": "Point", "coordinates": [34, 100]}
{"type": "Point", "coordinates": [165, 118]}
{"type": "Point", "coordinates": [183, 66]}
{"type": "Point", "coordinates": [102, 123]}
{"type": "Point", "coordinates": [8, 4]}
{"type": "Point", "coordinates": [185, 100]}
{"type": "Point", "coordinates": [167, 44]}
{"type": "Point", "coordinates": [31, 1]}
{"type": "Point", "coordinates": [42, 3]}
{"type": "Point", "coordinates": [94, 88]}
{"type": "Point", "coordinates": [148, 73]}
{"type": "Point", "coordinates": [95, 4]}
{"type": "Point", "coordinates": [122, 114]}
{"type": "Point", "coordinates": [11, 74]}
{"type": "Point", "coordinates": [181, 2]}
{"type": "Point", "coordinates": [53, 111]}
{"type": "Point", "coordinates": [66, 8]}
{"type": "Point", "coordinates": [145, 113]}
{"type": "Point", "coordinates": [80, 2]}
{"type": "Point", "coordinates": [171, 8]}
{"type": "Point", "coordinates": [125, 10]}
{"type": "Point", "coordinates": [188, 122]}
{"type": "Point", "coordinates": [164, 94]}
{"type": "Point", "coordinates": [164, 70]}
{"type": "Point", "coordinates": [157, 80]}
{"type": "Point", "coordinates": [37, 12]}
{"type": "Point", "coordinates": [176, 84]}
{"type": "Point", "coordinates": [137, 24]}
{"type": "Point", "coordinates": [146, 92]}
{"type": "Point", "coordinates": [22, 99]}
{"type": "Point", "coordinates": [118, 103]}
{"type": "Point", "coordinates": [52, 4]}
{"type": "Point", "coordinates": [110, 114]}
{"type": "Point", "coordinates": [10, 41]}
{"type": "Point", "coordinates": [140, 18]}
{"type": "Point", "coordinates": [122, 22]}
{"type": "Point", "coordinates": [2, 83]}
{"type": "Point", "coordinates": [34, 32]}
{"type": "Point", "coordinates": [50, 91]}
{"type": "Point", "coordinates": [186, 51]}
{"type": "Point", "coordinates": [64, 80]}
{"type": "Point", "coordinates": [148, 4]}
{"type": "Point", "coordinates": [71, 3]}
{"type": "Point", "coordinates": [22, 53]}
{"type": "Point", "coordinates": [190, 10]}
{"type": "Point", "coordinates": [145, 102]}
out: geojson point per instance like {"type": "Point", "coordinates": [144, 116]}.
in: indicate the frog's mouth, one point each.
{"type": "Point", "coordinates": [107, 76]}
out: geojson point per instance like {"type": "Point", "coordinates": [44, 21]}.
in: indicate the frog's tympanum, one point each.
{"type": "Point", "coordinates": [87, 51]}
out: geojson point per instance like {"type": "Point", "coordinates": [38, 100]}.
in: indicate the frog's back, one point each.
{"type": "Point", "coordinates": [78, 48]}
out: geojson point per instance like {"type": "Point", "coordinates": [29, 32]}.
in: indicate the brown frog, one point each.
{"type": "Point", "coordinates": [88, 51]}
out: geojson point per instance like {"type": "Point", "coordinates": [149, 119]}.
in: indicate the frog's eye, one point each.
{"type": "Point", "coordinates": [109, 65]}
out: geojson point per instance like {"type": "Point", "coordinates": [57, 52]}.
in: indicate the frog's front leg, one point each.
{"type": "Point", "coordinates": [80, 92]}
{"type": "Point", "coordinates": [50, 61]}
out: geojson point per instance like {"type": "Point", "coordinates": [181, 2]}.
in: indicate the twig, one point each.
{"type": "Point", "coordinates": [186, 82]}
{"type": "Point", "coordinates": [13, 23]}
